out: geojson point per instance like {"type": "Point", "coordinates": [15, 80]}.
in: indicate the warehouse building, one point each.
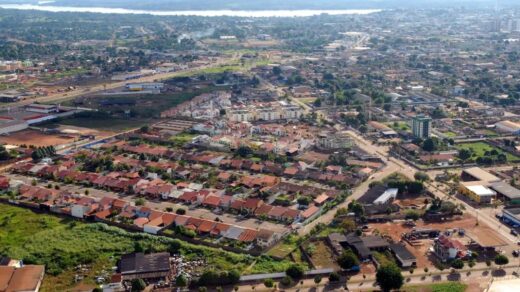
{"type": "Point", "coordinates": [477, 192]}
{"type": "Point", "coordinates": [506, 192]}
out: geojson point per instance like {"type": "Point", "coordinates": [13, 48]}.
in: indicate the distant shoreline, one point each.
{"type": "Point", "coordinates": [203, 13]}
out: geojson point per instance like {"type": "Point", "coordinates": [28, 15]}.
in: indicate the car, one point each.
{"type": "Point", "coordinates": [518, 243]}
{"type": "Point", "coordinates": [513, 232]}
{"type": "Point", "coordinates": [515, 253]}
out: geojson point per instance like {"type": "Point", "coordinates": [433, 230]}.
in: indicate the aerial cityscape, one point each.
{"type": "Point", "coordinates": [225, 145]}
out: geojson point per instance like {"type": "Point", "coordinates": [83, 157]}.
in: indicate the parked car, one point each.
{"type": "Point", "coordinates": [513, 232]}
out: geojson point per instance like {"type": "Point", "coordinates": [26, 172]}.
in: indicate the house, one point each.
{"type": "Point", "coordinates": [157, 224]}
{"type": "Point", "coordinates": [82, 207]}
{"type": "Point", "coordinates": [206, 227]}
{"type": "Point", "coordinates": [291, 215]}
{"type": "Point", "coordinates": [364, 245]}
{"type": "Point", "coordinates": [266, 238]}
{"type": "Point", "coordinates": [321, 199]}
{"type": "Point", "coordinates": [276, 213]}
{"type": "Point", "coordinates": [27, 278]}
{"type": "Point", "coordinates": [404, 257]}
{"type": "Point", "coordinates": [145, 266]}
{"type": "Point", "coordinates": [249, 235]}
{"type": "Point", "coordinates": [4, 183]}
{"type": "Point", "coordinates": [234, 232]}
{"type": "Point", "coordinates": [447, 248]}
{"type": "Point", "coordinates": [311, 213]}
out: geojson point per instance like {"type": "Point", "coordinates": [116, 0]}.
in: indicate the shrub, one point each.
{"type": "Point", "coordinates": [295, 271]}
{"type": "Point", "coordinates": [334, 277]}
{"type": "Point", "coordinates": [286, 281]}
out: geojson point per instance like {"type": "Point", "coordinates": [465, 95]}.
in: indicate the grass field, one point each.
{"type": "Point", "coordinates": [438, 287]}
{"type": "Point", "coordinates": [284, 247]}
{"type": "Point", "coordinates": [112, 124]}
{"type": "Point", "coordinates": [182, 138]}
{"type": "Point", "coordinates": [450, 134]}
{"type": "Point", "coordinates": [62, 244]}
{"type": "Point", "coordinates": [399, 126]}
{"type": "Point", "coordinates": [480, 148]}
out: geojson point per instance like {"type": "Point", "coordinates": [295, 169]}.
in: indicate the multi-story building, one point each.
{"type": "Point", "coordinates": [421, 126]}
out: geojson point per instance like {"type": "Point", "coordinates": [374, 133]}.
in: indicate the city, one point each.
{"type": "Point", "coordinates": [309, 147]}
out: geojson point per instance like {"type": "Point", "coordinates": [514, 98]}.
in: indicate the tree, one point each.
{"type": "Point", "coordinates": [334, 277]}
{"type": "Point", "coordinates": [180, 211]}
{"type": "Point", "coordinates": [139, 202]}
{"type": "Point", "coordinates": [203, 289]}
{"type": "Point", "coordinates": [412, 215]}
{"type": "Point", "coordinates": [286, 281]}
{"type": "Point", "coordinates": [421, 176]}
{"type": "Point", "coordinates": [295, 271]}
{"type": "Point", "coordinates": [317, 279]}
{"type": "Point", "coordinates": [429, 145]}
{"type": "Point", "coordinates": [269, 283]}
{"type": "Point", "coordinates": [244, 151]}
{"type": "Point", "coordinates": [304, 201]}
{"type": "Point", "coordinates": [457, 264]}
{"type": "Point", "coordinates": [138, 285]}
{"type": "Point", "coordinates": [317, 102]}
{"type": "Point", "coordinates": [277, 70]}
{"type": "Point", "coordinates": [174, 247]}
{"type": "Point", "coordinates": [464, 154]}
{"type": "Point", "coordinates": [501, 260]}
{"type": "Point", "coordinates": [181, 281]}
{"type": "Point", "coordinates": [389, 277]}
{"type": "Point", "coordinates": [347, 260]}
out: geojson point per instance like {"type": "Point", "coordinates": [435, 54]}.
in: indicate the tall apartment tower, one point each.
{"type": "Point", "coordinates": [421, 126]}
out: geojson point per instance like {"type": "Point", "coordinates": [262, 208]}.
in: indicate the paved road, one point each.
{"type": "Point", "coordinates": [479, 276]}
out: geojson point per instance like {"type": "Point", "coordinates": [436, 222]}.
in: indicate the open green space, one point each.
{"type": "Point", "coordinates": [99, 122]}
{"type": "Point", "coordinates": [479, 149]}
{"type": "Point", "coordinates": [399, 126]}
{"type": "Point", "coordinates": [437, 287]}
{"type": "Point", "coordinates": [284, 247]}
{"type": "Point", "coordinates": [62, 244]}
{"type": "Point", "coordinates": [450, 134]}
{"type": "Point", "coordinates": [182, 138]}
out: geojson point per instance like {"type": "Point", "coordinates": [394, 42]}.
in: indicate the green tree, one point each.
{"type": "Point", "coordinates": [347, 260]}
{"type": "Point", "coordinates": [269, 283]}
{"type": "Point", "coordinates": [389, 277]}
{"type": "Point", "coordinates": [138, 285]}
{"type": "Point", "coordinates": [421, 176]}
{"type": "Point", "coordinates": [457, 264]}
{"type": "Point", "coordinates": [334, 277]}
{"type": "Point", "coordinates": [286, 281]}
{"type": "Point", "coordinates": [317, 279]}
{"type": "Point", "coordinates": [501, 260]}
{"type": "Point", "coordinates": [181, 281]}
{"type": "Point", "coordinates": [295, 271]}
{"type": "Point", "coordinates": [429, 145]}
{"type": "Point", "coordinates": [464, 154]}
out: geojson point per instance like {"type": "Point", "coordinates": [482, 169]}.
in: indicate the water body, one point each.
{"type": "Point", "coordinates": [208, 13]}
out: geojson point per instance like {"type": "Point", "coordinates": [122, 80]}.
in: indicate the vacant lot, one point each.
{"type": "Point", "coordinates": [62, 244]}
{"type": "Point", "coordinates": [321, 255]}
{"type": "Point", "coordinates": [480, 233]}
{"type": "Point", "coordinates": [109, 124]}
{"type": "Point", "coordinates": [438, 287]}
{"type": "Point", "coordinates": [36, 138]}
{"type": "Point", "coordinates": [480, 148]}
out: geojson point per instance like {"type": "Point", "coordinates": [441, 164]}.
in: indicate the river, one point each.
{"type": "Point", "coordinates": [208, 13]}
